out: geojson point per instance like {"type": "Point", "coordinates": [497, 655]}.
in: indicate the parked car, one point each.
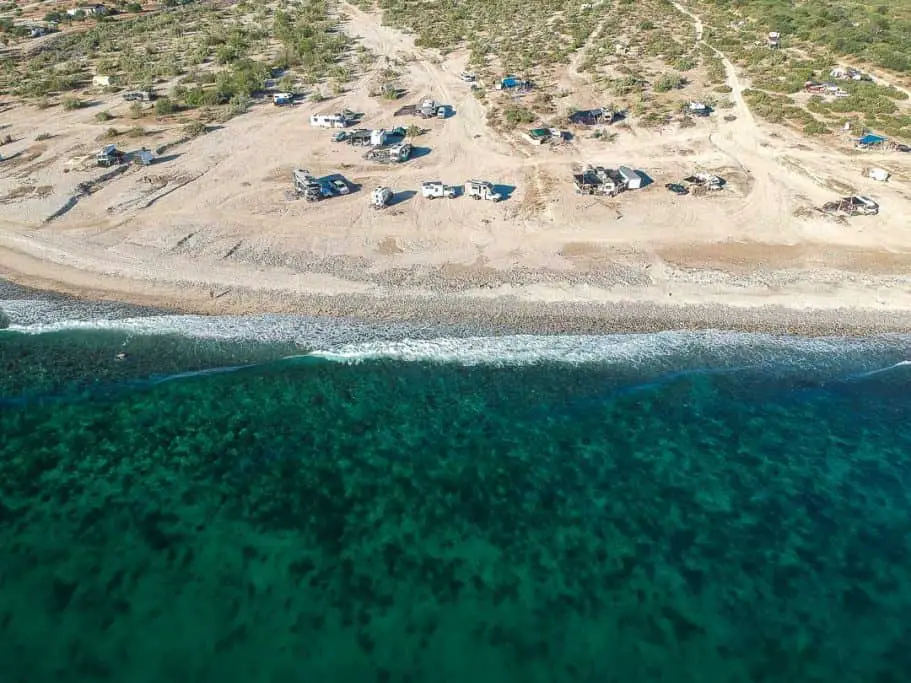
{"type": "Point", "coordinates": [339, 186]}
{"type": "Point", "coordinates": [677, 188]}
{"type": "Point", "coordinates": [341, 136]}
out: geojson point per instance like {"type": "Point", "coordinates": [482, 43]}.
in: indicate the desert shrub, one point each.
{"type": "Point", "coordinates": [514, 115]}
{"type": "Point", "coordinates": [669, 81]}
{"type": "Point", "coordinates": [815, 127]}
{"type": "Point", "coordinates": [70, 103]}
{"type": "Point", "coordinates": [164, 106]}
{"type": "Point", "coordinates": [103, 116]}
{"type": "Point", "coordinates": [684, 64]}
{"type": "Point", "coordinates": [194, 129]}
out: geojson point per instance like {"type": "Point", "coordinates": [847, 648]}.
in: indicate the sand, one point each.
{"type": "Point", "coordinates": [210, 228]}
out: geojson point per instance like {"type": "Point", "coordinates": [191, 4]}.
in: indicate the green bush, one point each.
{"type": "Point", "coordinates": [69, 103]}
{"type": "Point", "coordinates": [815, 127]}
{"type": "Point", "coordinates": [165, 106]}
{"type": "Point", "coordinates": [669, 81]}
{"type": "Point", "coordinates": [194, 129]}
{"type": "Point", "coordinates": [514, 115]}
{"type": "Point", "coordinates": [103, 116]}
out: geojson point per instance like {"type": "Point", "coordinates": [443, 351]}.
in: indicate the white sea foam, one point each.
{"type": "Point", "coordinates": [671, 349]}
{"type": "Point", "coordinates": [354, 341]}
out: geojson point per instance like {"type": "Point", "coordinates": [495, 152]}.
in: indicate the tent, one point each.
{"type": "Point", "coordinates": [869, 140]}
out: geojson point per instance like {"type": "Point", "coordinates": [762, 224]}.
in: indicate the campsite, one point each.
{"type": "Point", "coordinates": [563, 141]}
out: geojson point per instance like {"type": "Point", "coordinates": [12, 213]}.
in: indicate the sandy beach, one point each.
{"type": "Point", "coordinates": [210, 227]}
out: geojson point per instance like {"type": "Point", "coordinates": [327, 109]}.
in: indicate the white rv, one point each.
{"type": "Point", "coordinates": [328, 120]}
{"type": "Point", "coordinates": [380, 197]}
{"type": "Point", "coordinates": [631, 179]}
{"type": "Point", "coordinates": [434, 188]}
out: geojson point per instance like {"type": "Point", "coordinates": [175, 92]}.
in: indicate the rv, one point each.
{"type": "Point", "coordinates": [855, 205]}
{"type": "Point", "coordinates": [631, 179]}
{"type": "Point", "coordinates": [138, 96]}
{"type": "Point", "coordinates": [379, 137]}
{"type": "Point", "coordinates": [329, 120]}
{"type": "Point", "coordinates": [434, 188]}
{"type": "Point", "coordinates": [389, 154]}
{"type": "Point", "coordinates": [380, 197]}
{"type": "Point", "coordinates": [109, 156]}
{"type": "Point", "coordinates": [481, 189]}
{"type": "Point", "coordinates": [308, 187]}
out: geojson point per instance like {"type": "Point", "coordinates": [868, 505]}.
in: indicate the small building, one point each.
{"type": "Point", "coordinates": [774, 40]}
{"type": "Point", "coordinates": [102, 81]}
{"type": "Point", "coordinates": [280, 99]}
{"type": "Point", "coordinates": [631, 179]}
{"type": "Point", "coordinates": [329, 120]}
{"type": "Point", "coordinates": [537, 136]}
{"type": "Point", "coordinates": [98, 11]}
{"type": "Point", "coordinates": [698, 109]}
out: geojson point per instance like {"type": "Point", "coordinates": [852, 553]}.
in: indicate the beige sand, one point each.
{"type": "Point", "coordinates": [212, 229]}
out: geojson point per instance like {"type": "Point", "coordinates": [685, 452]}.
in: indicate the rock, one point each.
{"type": "Point", "coordinates": [4, 320]}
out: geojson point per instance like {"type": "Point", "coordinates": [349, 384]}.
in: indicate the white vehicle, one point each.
{"type": "Point", "coordinates": [481, 189]}
{"type": "Point", "coordinates": [380, 197]}
{"type": "Point", "coordinates": [467, 77]}
{"type": "Point", "coordinates": [329, 120]}
{"type": "Point", "coordinates": [379, 137]}
{"type": "Point", "coordinates": [434, 188]}
{"type": "Point", "coordinates": [339, 186]}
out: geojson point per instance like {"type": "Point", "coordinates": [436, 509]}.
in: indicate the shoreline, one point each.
{"type": "Point", "coordinates": [489, 316]}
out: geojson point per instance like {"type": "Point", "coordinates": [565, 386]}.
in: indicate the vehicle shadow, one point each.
{"type": "Point", "coordinates": [401, 197]}
{"type": "Point", "coordinates": [505, 191]}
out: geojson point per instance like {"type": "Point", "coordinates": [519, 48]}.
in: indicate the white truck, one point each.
{"type": "Point", "coordinates": [434, 188]}
{"type": "Point", "coordinates": [380, 197]}
{"type": "Point", "coordinates": [481, 189]}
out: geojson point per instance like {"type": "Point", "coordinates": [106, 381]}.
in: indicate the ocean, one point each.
{"type": "Point", "coordinates": [278, 498]}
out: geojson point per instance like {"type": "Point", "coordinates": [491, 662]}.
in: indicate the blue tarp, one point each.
{"type": "Point", "coordinates": [510, 82]}
{"type": "Point", "coordinates": [871, 140]}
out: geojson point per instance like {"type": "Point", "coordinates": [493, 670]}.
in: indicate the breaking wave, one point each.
{"type": "Point", "coordinates": [355, 341]}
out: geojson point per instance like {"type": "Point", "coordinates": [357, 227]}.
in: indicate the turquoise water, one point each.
{"type": "Point", "coordinates": [633, 508]}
